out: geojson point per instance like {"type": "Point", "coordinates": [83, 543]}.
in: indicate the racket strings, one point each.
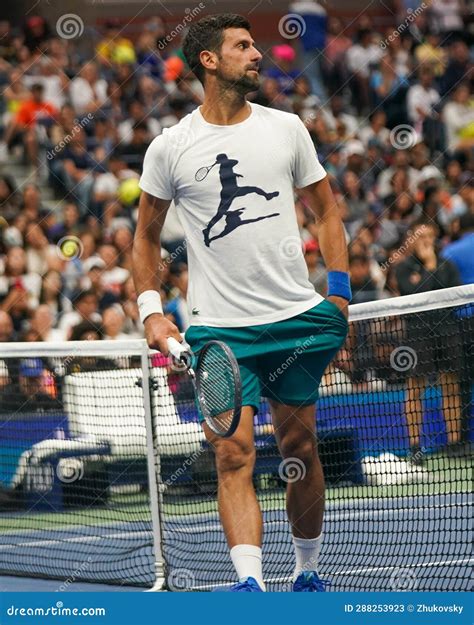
{"type": "Point", "coordinates": [217, 387]}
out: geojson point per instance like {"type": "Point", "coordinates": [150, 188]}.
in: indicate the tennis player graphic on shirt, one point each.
{"type": "Point", "coordinates": [247, 291]}
{"type": "Point", "coordinates": [230, 191]}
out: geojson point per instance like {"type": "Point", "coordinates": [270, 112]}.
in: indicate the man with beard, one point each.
{"type": "Point", "coordinates": [231, 168]}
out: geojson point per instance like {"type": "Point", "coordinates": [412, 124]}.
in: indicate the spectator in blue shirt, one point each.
{"type": "Point", "coordinates": [461, 252]}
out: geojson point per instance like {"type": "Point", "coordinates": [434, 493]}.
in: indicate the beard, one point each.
{"type": "Point", "coordinates": [243, 83]}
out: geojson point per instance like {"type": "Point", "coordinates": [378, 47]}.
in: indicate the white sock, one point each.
{"type": "Point", "coordinates": [247, 560]}
{"type": "Point", "coordinates": [307, 554]}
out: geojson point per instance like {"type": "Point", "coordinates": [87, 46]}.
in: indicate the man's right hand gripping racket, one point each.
{"type": "Point", "coordinates": [217, 383]}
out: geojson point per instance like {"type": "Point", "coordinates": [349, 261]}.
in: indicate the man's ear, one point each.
{"type": "Point", "coordinates": [208, 59]}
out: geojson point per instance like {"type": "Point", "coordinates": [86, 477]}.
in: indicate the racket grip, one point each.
{"type": "Point", "coordinates": [178, 350]}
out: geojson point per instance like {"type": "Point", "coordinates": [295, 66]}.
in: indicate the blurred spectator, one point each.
{"type": "Point", "coordinates": [6, 327]}
{"type": "Point", "coordinates": [137, 115]}
{"type": "Point", "coordinates": [85, 304]}
{"type": "Point", "coordinates": [389, 91]}
{"type": "Point", "coordinates": [88, 91]}
{"type": "Point", "coordinates": [28, 395]}
{"type": "Point", "coordinates": [9, 199]}
{"type": "Point", "coordinates": [37, 32]}
{"type": "Point", "coordinates": [29, 125]}
{"type": "Point", "coordinates": [461, 252]}
{"type": "Point", "coordinates": [333, 61]}
{"type": "Point", "coordinates": [113, 321]}
{"type": "Point", "coordinates": [114, 46]}
{"type": "Point", "coordinates": [313, 41]}
{"type": "Point", "coordinates": [425, 271]}
{"type": "Point", "coordinates": [458, 69]}
{"type": "Point", "coordinates": [282, 69]}
{"type": "Point", "coordinates": [316, 269]}
{"type": "Point", "coordinates": [360, 57]}
{"type": "Point", "coordinates": [362, 285]}
{"type": "Point", "coordinates": [458, 116]}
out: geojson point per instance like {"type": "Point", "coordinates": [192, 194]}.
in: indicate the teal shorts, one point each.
{"type": "Point", "coordinates": [282, 361]}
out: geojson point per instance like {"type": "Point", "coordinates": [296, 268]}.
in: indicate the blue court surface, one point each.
{"type": "Point", "coordinates": [382, 544]}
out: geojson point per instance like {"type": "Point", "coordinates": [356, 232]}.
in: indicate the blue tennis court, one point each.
{"type": "Point", "coordinates": [383, 545]}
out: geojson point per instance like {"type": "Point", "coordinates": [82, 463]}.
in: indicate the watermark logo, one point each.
{"type": "Point", "coordinates": [69, 26]}
{"type": "Point", "coordinates": [70, 248]}
{"type": "Point", "coordinates": [403, 358]}
{"type": "Point", "coordinates": [292, 470]}
{"type": "Point", "coordinates": [70, 470]}
{"type": "Point", "coordinates": [181, 580]}
{"type": "Point", "coordinates": [292, 26]}
{"type": "Point", "coordinates": [403, 580]}
{"type": "Point", "coordinates": [403, 137]}
{"type": "Point", "coordinates": [290, 248]}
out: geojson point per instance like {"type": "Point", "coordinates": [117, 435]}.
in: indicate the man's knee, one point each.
{"type": "Point", "coordinates": [299, 447]}
{"type": "Point", "coordinates": [234, 455]}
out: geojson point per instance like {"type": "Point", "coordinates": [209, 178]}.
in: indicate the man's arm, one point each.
{"type": "Point", "coordinates": [332, 239]}
{"type": "Point", "coordinates": [147, 268]}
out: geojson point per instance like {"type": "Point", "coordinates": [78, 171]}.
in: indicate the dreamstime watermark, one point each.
{"type": "Point", "coordinates": [182, 469]}
{"type": "Point", "coordinates": [403, 358]}
{"type": "Point", "coordinates": [411, 17]}
{"type": "Point", "coordinates": [291, 359]}
{"type": "Point", "coordinates": [290, 248]}
{"type": "Point", "coordinates": [70, 470]}
{"type": "Point", "coordinates": [76, 574]}
{"type": "Point", "coordinates": [69, 248]}
{"type": "Point", "coordinates": [403, 580]}
{"type": "Point", "coordinates": [78, 126]}
{"type": "Point", "coordinates": [292, 470]}
{"type": "Point", "coordinates": [292, 26]}
{"type": "Point", "coordinates": [69, 26]}
{"type": "Point", "coordinates": [172, 256]}
{"type": "Point", "coordinates": [191, 14]}
{"type": "Point", "coordinates": [401, 251]}
{"type": "Point", "coordinates": [403, 137]}
{"type": "Point", "coordinates": [181, 580]}
{"type": "Point", "coordinates": [56, 610]}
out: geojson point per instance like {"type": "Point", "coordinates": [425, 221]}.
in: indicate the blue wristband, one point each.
{"type": "Point", "coordinates": [339, 284]}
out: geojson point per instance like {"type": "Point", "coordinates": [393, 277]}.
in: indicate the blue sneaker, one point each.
{"type": "Point", "coordinates": [248, 584]}
{"type": "Point", "coordinates": [308, 581]}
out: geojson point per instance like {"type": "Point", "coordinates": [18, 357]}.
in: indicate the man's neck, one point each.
{"type": "Point", "coordinates": [225, 107]}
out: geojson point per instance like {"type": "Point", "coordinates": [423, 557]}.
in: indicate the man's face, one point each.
{"type": "Point", "coordinates": [238, 61]}
{"type": "Point", "coordinates": [30, 385]}
{"type": "Point", "coordinates": [424, 240]}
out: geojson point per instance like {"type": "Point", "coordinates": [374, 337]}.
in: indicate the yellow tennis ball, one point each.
{"type": "Point", "coordinates": [129, 191]}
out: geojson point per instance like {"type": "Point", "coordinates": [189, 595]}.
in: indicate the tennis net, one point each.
{"type": "Point", "coordinates": [395, 428]}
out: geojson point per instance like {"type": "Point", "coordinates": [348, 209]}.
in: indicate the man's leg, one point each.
{"type": "Point", "coordinates": [414, 409]}
{"type": "Point", "coordinates": [295, 433]}
{"type": "Point", "coordinates": [452, 410]}
{"type": "Point", "coordinates": [239, 510]}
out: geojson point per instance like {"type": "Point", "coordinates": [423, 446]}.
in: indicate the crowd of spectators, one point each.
{"type": "Point", "coordinates": [391, 115]}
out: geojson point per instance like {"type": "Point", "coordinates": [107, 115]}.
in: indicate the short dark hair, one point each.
{"type": "Point", "coordinates": [466, 222]}
{"type": "Point", "coordinates": [208, 34]}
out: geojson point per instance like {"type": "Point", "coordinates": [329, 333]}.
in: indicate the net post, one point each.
{"type": "Point", "coordinates": [153, 468]}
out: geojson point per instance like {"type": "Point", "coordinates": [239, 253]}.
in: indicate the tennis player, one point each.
{"type": "Point", "coordinates": [231, 168]}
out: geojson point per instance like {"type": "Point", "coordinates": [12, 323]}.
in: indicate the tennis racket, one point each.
{"type": "Point", "coordinates": [202, 173]}
{"type": "Point", "coordinates": [217, 383]}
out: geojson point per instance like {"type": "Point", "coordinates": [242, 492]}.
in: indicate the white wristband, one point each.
{"type": "Point", "coordinates": [149, 303]}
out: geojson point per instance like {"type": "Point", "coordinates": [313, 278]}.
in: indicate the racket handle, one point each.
{"type": "Point", "coordinates": [178, 350]}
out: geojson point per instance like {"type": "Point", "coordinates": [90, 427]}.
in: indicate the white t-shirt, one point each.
{"type": "Point", "coordinates": [250, 270]}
